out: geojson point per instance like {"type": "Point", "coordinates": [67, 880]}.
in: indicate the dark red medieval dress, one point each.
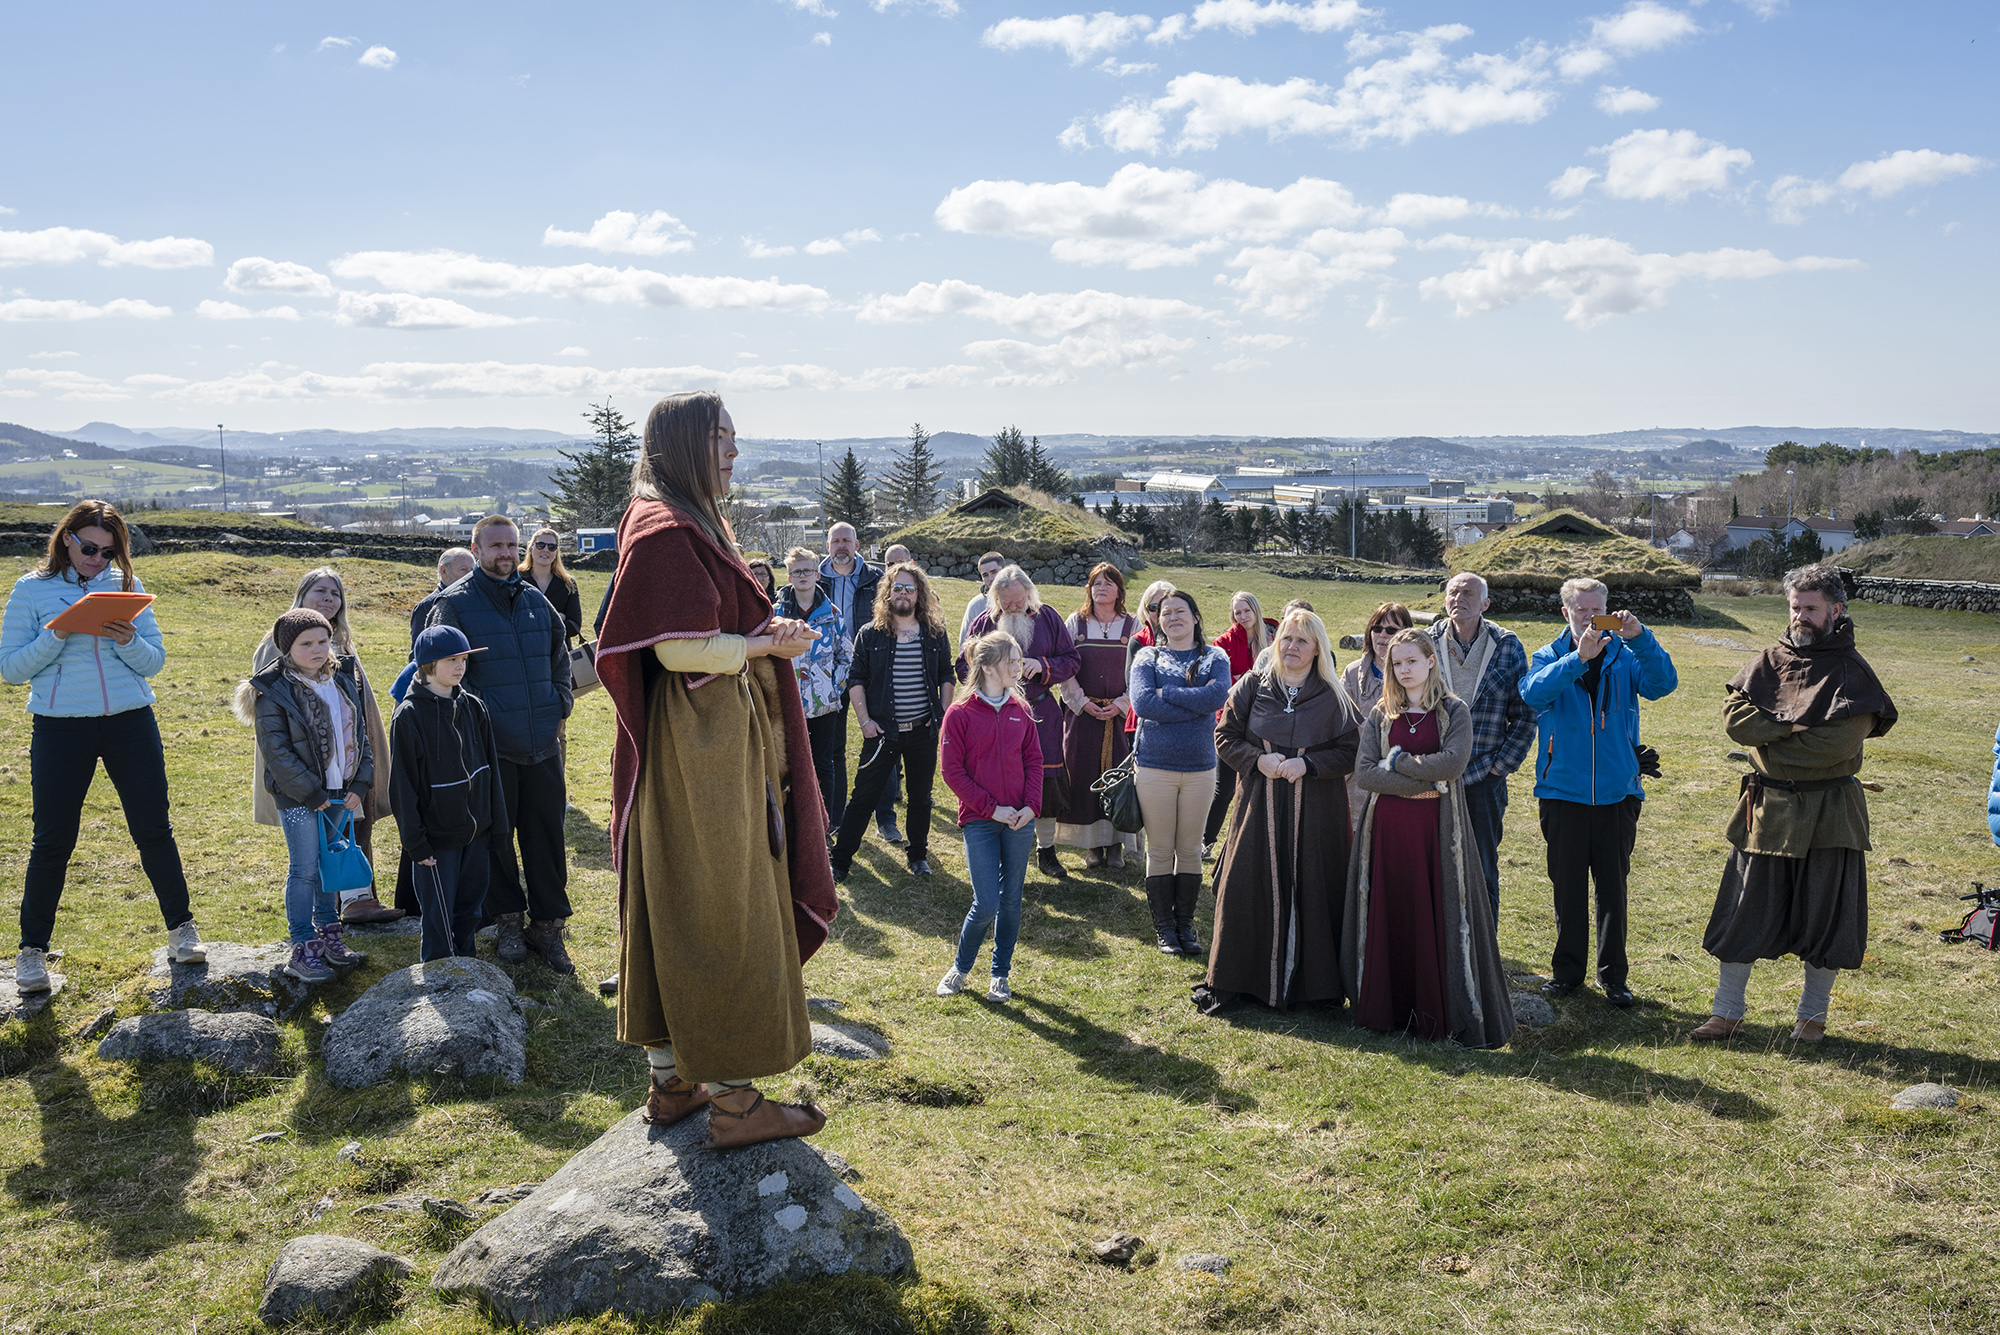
{"type": "Point", "coordinates": [1403, 984]}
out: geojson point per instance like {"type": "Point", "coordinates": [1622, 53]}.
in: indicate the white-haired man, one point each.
{"type": "Point", "coordinates": [1585, 687]}
{"type": "Point", "coordinates": [1482, 664]}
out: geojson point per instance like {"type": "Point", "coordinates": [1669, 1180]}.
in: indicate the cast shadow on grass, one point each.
{"type": "Point", "coordinates": [125, 1177]}
{"type": "Point", "coordinates": [589, 842]}
{"type": "Point", "coordinates": [1111, 1056]}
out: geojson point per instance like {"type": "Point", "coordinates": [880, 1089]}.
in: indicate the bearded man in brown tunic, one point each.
{"type": "Point", "coordinates": [1797, 882]}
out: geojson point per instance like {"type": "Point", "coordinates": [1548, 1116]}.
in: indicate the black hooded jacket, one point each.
{"type": "Point", "coordinates": [444, 788]}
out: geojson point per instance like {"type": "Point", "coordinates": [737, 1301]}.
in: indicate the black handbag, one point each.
{"type": "Point", "coordinates": [1117, 792]}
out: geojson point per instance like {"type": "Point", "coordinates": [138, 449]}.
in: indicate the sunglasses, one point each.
{"type": "Point", "coordinates": [902, 588]}
{"type": "Point", "coordinates": [545, 546]}
{"type": "Point", "coordinates": [91, 548]}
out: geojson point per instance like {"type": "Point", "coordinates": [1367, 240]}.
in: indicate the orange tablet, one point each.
{"type": "Point", "coordinates": [87, 615]}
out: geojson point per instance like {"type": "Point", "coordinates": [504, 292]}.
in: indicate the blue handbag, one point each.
{"type": "Point", "coordinates": [342, 864]}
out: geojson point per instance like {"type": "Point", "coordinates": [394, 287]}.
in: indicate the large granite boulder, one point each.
{"type": "Point", "coordinates": [327, 1278]}
{"type": "Point", "coordinates": [645, 1221]}
{"type": "Point", "coordinates": [454, 1016]}
{"type": "Point", "coordinates": [18, 1005]}
{"type": "Point", "coordinates": [246, 1044]}
{"type": "Point", "coordinates": [233, 978]}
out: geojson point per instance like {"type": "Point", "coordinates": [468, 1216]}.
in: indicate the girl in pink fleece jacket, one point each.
{"type": "Point", "coordinates": [992, 761]}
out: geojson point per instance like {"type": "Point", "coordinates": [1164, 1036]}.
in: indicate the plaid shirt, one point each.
{"type": "Point", "coordinates": [1503, 726]}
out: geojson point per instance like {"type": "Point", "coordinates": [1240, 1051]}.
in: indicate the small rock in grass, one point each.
{"type": "Point", "coordinates": [417, 1202]}
{"type": "Point", "coordinates": [350, 1152]}
{"type": "Point", "coordinates": [1533, 1012]}
{"type": "Point", "coordinates": [825, 1004]}
{"type": "Point", "coordinates": [324, 1277]}
{"type": "Point", "coordinates": [1926, 1095]}
{"type": "Point", "coordinates": [519, 1191]}
{"type": "Point", "coordinates": [100, 1025]}
{"type": "Point", "coordinates": [234, 977]}
{"type": "Point", "coordinates": [266, 1137]}
{"type": "Point", "coordinates": [1118, 1249]}
{"type": "Point", "coordinates": [852, 1041]}
{"type": "Point", "coordinates": [319, 1207]}
{"type": "Point", "coordinates": [245, 1044]}
{"type": "Point", "coordinates": [16, 1005]}
{"type": "Point", "coordinates": [1212, 1262]}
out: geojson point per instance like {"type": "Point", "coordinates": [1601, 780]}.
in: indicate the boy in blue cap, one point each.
{"type": "Point", "coordinates": [445, 791]}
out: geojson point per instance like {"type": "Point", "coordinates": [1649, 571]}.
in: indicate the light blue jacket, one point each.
{"type": "Point", "coordinates": [1584, 752]}
{"type": "Point", "coordinates": [84, 676]}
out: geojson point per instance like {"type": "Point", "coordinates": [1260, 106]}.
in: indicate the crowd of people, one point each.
{"type": "Point", "coordinates": [1353, 819]}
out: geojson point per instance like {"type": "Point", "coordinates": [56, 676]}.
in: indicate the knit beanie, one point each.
{"type": "Point", "coordinates": [296, 623]}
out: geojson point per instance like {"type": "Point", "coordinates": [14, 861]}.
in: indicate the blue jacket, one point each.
{"type": "Point", "coordinates": [1993, 793]}
{"type": "Point", "coordinates": [1584, 751]}
{"type": "Point", "coordinates": [821, 669]}
{"type": "Point", "coordinates": [523, 673]}
{"type": "Point", "coordinates": [84, 676]}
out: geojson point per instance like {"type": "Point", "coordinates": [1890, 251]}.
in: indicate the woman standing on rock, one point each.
{"type": "Point", "coordinates": [716, 823]}
{"type": "Point", "coordinates": [91, 702]}
{"type": "Point", "coordinates": [1094, 736]}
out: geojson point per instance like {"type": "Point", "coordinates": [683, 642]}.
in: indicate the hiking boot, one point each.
{"type": "Point", "coordinates": [367, 909]}
{"type": "Point", "coordinates": [31, 970]}
{"type": "Point", "coordinates": [1050, 864]}
{"type": "Point", "coordinates": [184, 944]}
{"type": "Point", "coordinates": [545, 938]}
{"type": "Point", "coordinates": [673, 1101]}
{"type": "Point", "coordinates": [742, 1116]}
{"type": "Point", "coordinates": [1187, 889]}
{"type": "Point", "coordinates": [334, 951]}
{"type": "Point", "coordinates": [512, 948]}
{"type": "Point", "coordinates": [307, 966]}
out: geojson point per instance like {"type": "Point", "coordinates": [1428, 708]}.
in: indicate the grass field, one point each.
{"type": "Point", "coordinates": [1600, 1175]}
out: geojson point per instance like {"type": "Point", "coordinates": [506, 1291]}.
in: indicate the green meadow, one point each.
{"type": "Point", "coordinates": [1599, 1175]}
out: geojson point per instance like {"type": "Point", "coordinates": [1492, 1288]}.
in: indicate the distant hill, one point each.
{"type": "Point", "coordinates": [1429, 443]}
{"type": "Point", "coordinates": [27, 440]}
{"type": "Point", "coordinates": [320, 440]}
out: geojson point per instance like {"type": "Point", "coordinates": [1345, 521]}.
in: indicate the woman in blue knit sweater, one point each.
{"type": "Point", "coordinates": [1176, 687]}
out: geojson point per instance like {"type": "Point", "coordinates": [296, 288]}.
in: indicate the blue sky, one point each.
{"type": "Point", "coordinates": [1317, 217]}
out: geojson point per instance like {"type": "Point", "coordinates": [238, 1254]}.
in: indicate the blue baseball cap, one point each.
{"type": "Point", "coordinates": [440, 642]}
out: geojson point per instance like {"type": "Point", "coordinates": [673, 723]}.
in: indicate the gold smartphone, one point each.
{"type": "Point", "coordinates": [1607, 622]}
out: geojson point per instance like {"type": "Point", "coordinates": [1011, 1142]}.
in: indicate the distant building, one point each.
{"type": "Point", "coordinates": [1835, 534]}
{"type": "Point", "coordinates": [1976, 527]}
{"type": "Point", "coordinates": [590, 540]}
{"type": "Point", "coordinates": [1471, 531]}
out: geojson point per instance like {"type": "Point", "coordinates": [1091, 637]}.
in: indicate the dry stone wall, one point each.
{"type": "Point", "coordinates": [1646, 604]}
{"type": "Point", "coordinates": [1942, 594]}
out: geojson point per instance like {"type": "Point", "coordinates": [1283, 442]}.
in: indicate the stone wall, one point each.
{"type": "Point", "coordinates": [1646, 604]}
{"type": "Point", "coordinates": [1943, 594]}
{"type": "Point", "coordinates": [252, 540]}
{"type": "Point", "coordinates": [1064, 569]}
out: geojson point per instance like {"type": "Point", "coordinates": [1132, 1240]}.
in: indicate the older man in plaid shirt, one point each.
{"type": "Point", "coordinates": [1483, 666]}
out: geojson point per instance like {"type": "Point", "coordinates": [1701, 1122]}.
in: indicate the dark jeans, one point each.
{"type": "Point", "coordinates": [62, 760]}
{"type": "Point", "coordinates": [452, 894]}
{"type": "Point", "coordinates": [828, 735]}
{"type": "Point", "coordinates": [1590, 843]}
{"type": "Point", "coordinates": [1218, 810]}
{"type": "Point", "coordinates": [917, 750]}
{"type": "Point", "coordinates": [1486, 807]}
{"type": "Point", "coordinates": [536, 799]}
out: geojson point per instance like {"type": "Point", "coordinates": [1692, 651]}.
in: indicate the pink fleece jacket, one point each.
{"type": "Point", "coordinates": [991, 758]}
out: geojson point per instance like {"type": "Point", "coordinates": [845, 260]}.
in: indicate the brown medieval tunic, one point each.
{"type": "Point", "coordinates": [1280, 885]}
{"type": "Point", "coordinates": [1093, 745]}
{"type": "Point", "coordinates": [724, 885]}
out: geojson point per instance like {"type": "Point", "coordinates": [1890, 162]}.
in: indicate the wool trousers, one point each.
{"type": "Point", "coordinates": [1590, 845]}
{"type": "Point", "coordinates": [1175, 804]}
{"type": "Point", "coordinates": [536, 797]}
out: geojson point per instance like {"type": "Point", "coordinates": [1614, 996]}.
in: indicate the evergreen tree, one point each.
{"type": "Point", "coordinates": [591, 489]}
{"type": "Point", "coordinates": [846, 497]}
{"type": "Point", "coordinates": [1006, 463]}
{"type": "Point", "coordinates": [912, 485]}
{"type": "Point", "coordinates": [1044, 474]}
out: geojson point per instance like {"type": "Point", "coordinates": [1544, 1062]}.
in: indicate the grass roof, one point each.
{"type": "Point", "coordinates": [1926, 556]}
{"type": "Point", "coordinates": [1041, 528]}
{"type": "Point", "coordinates": [1563, 545]}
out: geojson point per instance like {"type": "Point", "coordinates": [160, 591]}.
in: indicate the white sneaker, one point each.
{"type": "Point", "coordinates": [31, 971]}
{"type": "Point", "coordinates": [997, 990]}
{"type": "Point", "coordinates": [950, 985]}
{"type": "Point", "coordinates": [184, 944]}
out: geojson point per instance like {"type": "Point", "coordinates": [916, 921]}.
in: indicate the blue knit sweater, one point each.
{"type": "Point", "coordinates": [1177, 728]}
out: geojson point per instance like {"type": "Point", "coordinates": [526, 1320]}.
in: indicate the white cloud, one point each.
{"type": "Point", "coordinates": [945, 8]}
{"type": "Point", "coordinates": [1411, 210]}
{"type": "Point", "coordinates": [1624, 101]}
{"type": "Point", "coordinates": [229, 310]}
{"type": "Point", "coordinates": [65, 245]}
{"type": "Point", "coordinates": [4, 210]}
{"type": "Point", "coordinates": [1037, 365]}
{"type": "Point", "coordinates": [1246, 16]}
{"type": "Point", "coordinates": [1119, 69]}
{"type": "Point", "coordinates": [1264, 342]}
{"type": "Point", "coordinates": [1764, 9]}
{"type": "Point", "coordinates": [1658, 164]}
{"type": "Point", "coordinates": [1573, 182]}
{"type": "Point", "coordinates": [837, 245]}
{"type": "Point", "coordinates": [1079, 36]}
{"type": "Point", "coordinates": [377, 58]}
{"type": "Point", "coordinates": [53, 356]}
{"type": "Point", "coordinates": [256, 274]}
{"type": "Point", "coordinates": [395, 381]}
{"type": "Point", "coordinates": [455, 272]}
{"type": "Point", "coordinates": [1074, 136]}
{"type": "Point", "coordinates": [334, 43]}
{"type": "Point", "coordinates": [822, 39]}
{"type": "Point", "coordinates": [1380, 318]}
{"type": "Point", "coordinates": [817, 8]}
{"type": "Point", "coordinates": [1598, 277]}
{"type": "Point", "coordinates": [154, 378]}
{"type": "Point", "coordinates": [1291, 283]}
{"type": "Point", "coordinates": [1041, 314]}
{"type": "Point", "coordinates": [1423, 90]}
{"type": "Point", "coordinates": [574, 352]}
{"type": "Point", "coordinates": [404, 310]}
{"type": "Point", "coordinates": [28, 308]}
{"type": "Point", "coordinates": [622, 233]}
{"type": "Point", "coordinates": [757, 250]}
{"type": "Point", "coordinates": [61, 384]}
{"type": "Point", "coordinates": [1791, 196]}
{"type": "Point", "coordinates": [1642, 26]}
{"type": "Point", "coordinates": [1908, 167]}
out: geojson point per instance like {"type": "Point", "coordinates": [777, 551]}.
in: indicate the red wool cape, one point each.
{"type": "Point", "coordinates": [673, 583]}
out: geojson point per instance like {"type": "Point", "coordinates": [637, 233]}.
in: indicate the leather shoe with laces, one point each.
{"type": "Point", "coordinates": [673, 1101]}
{"type": "Point", "coordinates": [739, 1117]}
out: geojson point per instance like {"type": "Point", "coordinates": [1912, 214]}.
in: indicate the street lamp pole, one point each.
{"type": "Point", "coordinates": [1791, 493]}
{"type": "Point", "coordinates": [224, 452]}
{"type": "Point", "coordinates": [1353, 507]}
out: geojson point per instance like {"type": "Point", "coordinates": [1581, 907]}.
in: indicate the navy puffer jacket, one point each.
{"type": "Point", "coordinates": [523, 673]}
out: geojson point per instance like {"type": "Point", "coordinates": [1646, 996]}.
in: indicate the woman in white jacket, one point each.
{"type": "Point", "coordinates": [91, 702]}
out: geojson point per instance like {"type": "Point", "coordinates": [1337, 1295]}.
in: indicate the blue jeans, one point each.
{"type": "Point", "coordinates": [306, 909]}
{"type": "Point", "coordinates": [1486, 809]}
{"type": "Point", "coordinates": [997, 859]}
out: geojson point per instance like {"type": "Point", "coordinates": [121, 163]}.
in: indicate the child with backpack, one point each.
{"type": "Point", "coordinates": [313, 737]}
{"type": "Point", "coordinates": [992, 762]}
{"type": "Point", "coordinates": [444, 791]}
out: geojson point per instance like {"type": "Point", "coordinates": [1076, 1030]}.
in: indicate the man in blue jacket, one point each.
{"type": "Point", "coordinates": [1585, 689]}
{"type": "Point", "coordinates": [522, 676]}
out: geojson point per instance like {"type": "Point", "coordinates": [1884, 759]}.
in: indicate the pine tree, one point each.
{"type": "Point", "coordinates": [846, 496]}
{"type": "Point", "coordinates": [592, 488]}
{"type": "Point", "coordinates": [912, 485]}
{"type": "Point", "coordinates": [1044, 474]}
{"type": "Point", "coordinates": [1006, 463]}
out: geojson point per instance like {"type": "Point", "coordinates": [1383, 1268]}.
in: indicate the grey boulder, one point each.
{"type": "Point", "coordinates": [233, 978]}
{"type": "Point", "coordinates": [851, 1041]}
{"type": "Point", "coordinates": [1213, 1263]}
{"type": "Point", "coordinates": [17, 1005]}
{"type": "Point", "coordinates": [326, 1277]}
{"type": "Point", "coordinates": [1927, 1095]}
{"type": "Point", "coordinates": [646, 1221]}
{"type": "Point", "coordinates": [455, 1017]}
{"type": "Point", "coordinates": [245, 1044]}
{"type": "Point", "coordinates": [1533, 1012]}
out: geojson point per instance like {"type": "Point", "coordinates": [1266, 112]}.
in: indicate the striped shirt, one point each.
{"type": "Point", "coordinates": [906, 675]}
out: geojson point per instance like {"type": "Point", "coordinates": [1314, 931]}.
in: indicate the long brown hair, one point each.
{"type": "Point", "coordinates": [1116, 576]}
{"type": "Point", "coordinates": [342, 635]}
{"type": "Point", "coordinates": [556, 571]}
{"type": "Point", "coordinates": [929, 614]}
{"type": "Point", "coordinates": [89, 514]}
{"type": "Point", "coordinates": [677, 462]}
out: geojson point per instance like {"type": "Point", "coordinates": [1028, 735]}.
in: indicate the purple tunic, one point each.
{"type": "Point", "coordinates": [1051, 641]}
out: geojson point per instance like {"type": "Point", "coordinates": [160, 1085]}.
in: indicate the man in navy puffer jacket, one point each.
{"type": "Point", "coordinates": [1585, 689]}
{"type": "Point", "coordinates": [522, 675]}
